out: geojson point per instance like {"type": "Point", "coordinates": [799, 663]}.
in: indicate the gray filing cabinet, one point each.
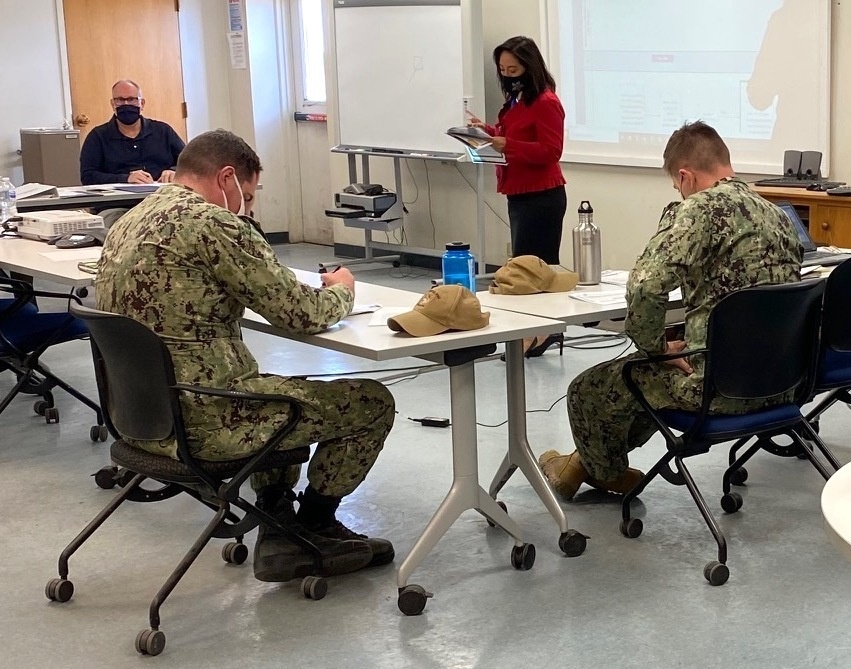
{"type": "Point", "coordinates": [51, 156]}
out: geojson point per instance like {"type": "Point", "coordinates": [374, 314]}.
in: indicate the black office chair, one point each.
{"type": "Point", "coordinates": [141, 400]}
{"type": "Point", "coordinates": [833, 375]}
{"type": "Point", "coordinates": [25, 334]}
{"type": "Point", "coordinates": [761, 342]}
{"type": "Point", "coordinates": [834, 371]}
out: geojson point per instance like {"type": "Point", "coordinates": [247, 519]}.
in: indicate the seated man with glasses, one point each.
{"type": "Point", "coordinates": [128, 148]}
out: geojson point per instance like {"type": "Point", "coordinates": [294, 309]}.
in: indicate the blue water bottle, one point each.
{"type": "Point", "coordinates": [459, 265]}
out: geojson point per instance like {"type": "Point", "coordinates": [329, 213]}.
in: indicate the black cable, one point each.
{"type": "Point", "coordinates": [413, 179]}
{"type": "Point", "coordinates": [418, 369]}
{"type": "Point", "coordinates": [617, 336]}
{"type": "Point", "coordinates": [430, 217]}
{"type": "Point", "coordinates": [552, 406]}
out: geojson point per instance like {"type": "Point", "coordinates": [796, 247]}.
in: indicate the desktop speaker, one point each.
{"type": "Point", "coordinates": [811, 165]}
{"type": "Point", "coordinates": [791, 163]}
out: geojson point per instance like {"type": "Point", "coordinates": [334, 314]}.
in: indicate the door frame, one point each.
{"type": "Point", "coordinates": [63, 60]}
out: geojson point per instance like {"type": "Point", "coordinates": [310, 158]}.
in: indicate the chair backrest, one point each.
{"type": "Point", "coordinates": [763, 341]}
{"type": "Point", "coordinates": [836, 321]}
{"type": "Point", "coordinates": [134, 375]}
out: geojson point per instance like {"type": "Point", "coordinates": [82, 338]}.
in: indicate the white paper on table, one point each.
{"type": "Point", "coordinates": [604, 297]}
{"type": "Point", "coordinates": [611, 297]}
{"type": "Point", "coordinates": [364, 309]}
{"type": "Point", "coordinates": [380, 317]}
{"type": "Point", "coordinates": [616, 277]}
{"type": "Point", "coordinates": [61, 255]}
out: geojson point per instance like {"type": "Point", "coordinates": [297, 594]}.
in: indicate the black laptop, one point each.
{"type": "Point", "coordinates": [812, 256]}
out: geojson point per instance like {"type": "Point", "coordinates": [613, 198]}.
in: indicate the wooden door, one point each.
{"type": "Point", "coordinates": [110, 40]}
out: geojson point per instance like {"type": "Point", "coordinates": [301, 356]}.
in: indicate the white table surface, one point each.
{"type": "Point", "coordinates": [561, 306]}
{"type": "Point", "coordinates": [25, 256]}
{"type": "Point", "coordinates": [354, 335]}
{"type": "Point", "coordinates": [836, 509]}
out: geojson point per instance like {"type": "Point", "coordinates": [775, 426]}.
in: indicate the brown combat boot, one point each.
{"type": "Point", "coordinates": [564, 472]}
{"type": "Point", "coordinates": [622, 484]}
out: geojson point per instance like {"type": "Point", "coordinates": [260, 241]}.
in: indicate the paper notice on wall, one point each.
{"type": "Point", "coordinates": [235, 15]}
{"type": "Point", "coordinates": [236, 41]}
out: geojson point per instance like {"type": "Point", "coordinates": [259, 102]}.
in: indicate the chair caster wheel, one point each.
{"type": "Point", "coordinates": [739, 476]}
{"type": "Point", "coordinates": [40, 406]}
{"type": "Point", "coordinates": [98, 433]}
{"type": "Point", "coordinates": [731, 502]}
{"type": "Point", "coordinates": [234, 552]}
{"type": "Point", "coordinates": [412, 599]}
{"type": "Point", "coordinates": [313, 587]}
{"type": "Point", "coordinates": [572, 543]}
{"type": "Point", "coordinates": [632, 528]}
{"type": "Point", "coordinates": [51, 415]}
{"type": "Point", "coordinates": [501, 506]}
{"type": "Point", "coordinates": [59, 590]}
{"type": "Point", "coordinates": [105, 477]}
{"type": "Point", "coordinates": [716, 573]}
{"type": "Point", "coordinates": [523, 557]}
{"type": "Point", "coordinates": [150, 642]}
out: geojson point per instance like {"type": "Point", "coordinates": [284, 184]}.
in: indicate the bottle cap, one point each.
{"type": "Point", "coordinates": [458, 246]}
{"type": "Point", "coordinates": [585, 207]}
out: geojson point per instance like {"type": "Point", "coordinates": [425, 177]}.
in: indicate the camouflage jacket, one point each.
{"type": "Point", "coordinates": [188, 269]}
{"type": "Point", "coordinates": [714, 242]}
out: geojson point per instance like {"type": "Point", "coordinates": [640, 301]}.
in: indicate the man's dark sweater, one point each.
{"type": "Point", "coordinates": [108, 156]}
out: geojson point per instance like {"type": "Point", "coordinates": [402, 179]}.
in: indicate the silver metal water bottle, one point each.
{"type": "Point", "coordinates": [586, 247]}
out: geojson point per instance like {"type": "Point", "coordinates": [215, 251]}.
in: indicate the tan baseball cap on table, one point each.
{"type": "Point", "coordinates": [525, 275]}
{"type": "Point", "coordinates": [442, 308]}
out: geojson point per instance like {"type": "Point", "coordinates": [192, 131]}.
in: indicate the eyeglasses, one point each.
{"type": "Point", "coordinates": [127, 101]}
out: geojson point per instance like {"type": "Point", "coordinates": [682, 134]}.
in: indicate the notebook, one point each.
{"type": "Point", "coordinates": [812, 256]}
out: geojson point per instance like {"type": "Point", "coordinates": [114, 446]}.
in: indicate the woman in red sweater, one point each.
{"type": "Point", "coordinates": [530, 134]}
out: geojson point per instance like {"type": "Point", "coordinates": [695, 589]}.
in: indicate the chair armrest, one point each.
{"type": "Point", "coordinates": [22, 289]}
{"type": "Point", "coordinates": [230, 490]}
{"type": "Point", "coordinates": [236, 395]}
{"type": "Point", "coordinates": [633, 388]}
{"type": "Point", "coordinates": [662, 357]}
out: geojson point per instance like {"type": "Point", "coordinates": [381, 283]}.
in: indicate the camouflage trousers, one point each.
{"type": "Point", "coordinates": [348, 419]}
{"type": "Point", "coordinates": [606, 420]}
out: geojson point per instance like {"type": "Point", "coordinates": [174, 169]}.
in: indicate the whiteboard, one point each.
{"type": "Point", "coordinates": [400, 75]}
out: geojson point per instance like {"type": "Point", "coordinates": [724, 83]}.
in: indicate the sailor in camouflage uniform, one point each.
{"type": "Point", "coordinates": [720, 238]}
{"type": "Point", "coordinates": [184, 263]}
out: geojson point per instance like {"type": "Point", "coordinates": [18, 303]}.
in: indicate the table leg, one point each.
{"type": "Point", "coordinates": [465, 493]}
{"type": "Point", "coordinates": [519, 453]}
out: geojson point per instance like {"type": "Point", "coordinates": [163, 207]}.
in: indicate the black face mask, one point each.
{"type": "Point", "coordinates": [128, 114]}
{"type": "Point", "coordinates": [516, 84]}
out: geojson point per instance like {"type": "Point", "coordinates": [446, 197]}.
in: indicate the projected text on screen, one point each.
{"type": "Point", "coordinates": [631, 72]}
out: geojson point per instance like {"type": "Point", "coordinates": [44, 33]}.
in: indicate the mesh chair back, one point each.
{"type": "Point", "coordinates": [134, 375]}
{"type": "Point", "coordinates": [836, 321]}
{"type": "Point", "coordinates": [763, 341]}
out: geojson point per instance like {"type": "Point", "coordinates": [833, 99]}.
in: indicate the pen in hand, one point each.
{"type": "Point", "coordinates": [340, 275]}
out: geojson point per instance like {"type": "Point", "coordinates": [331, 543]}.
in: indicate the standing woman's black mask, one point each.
{"type": "Point", "coordinates": [514, 85]}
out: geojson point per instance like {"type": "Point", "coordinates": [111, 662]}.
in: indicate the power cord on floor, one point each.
{"type": "Point", "coordinates": [552, 406]}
